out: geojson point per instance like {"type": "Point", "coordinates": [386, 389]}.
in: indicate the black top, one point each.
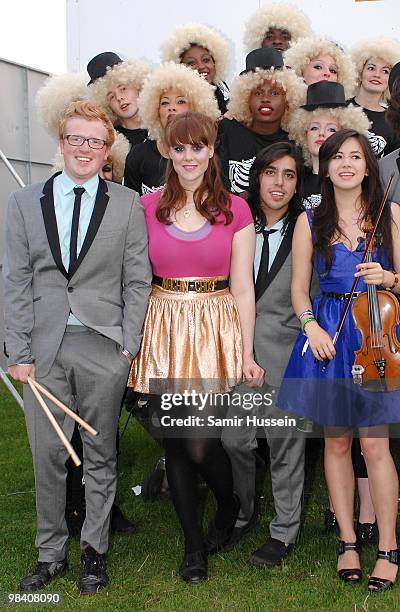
{"type": "Point", "coordinates": [221, 94]}
{"type": "Point", "coordinates": [134, 136]}
{"type": "Point", "coordinates": [237, 147]}
{"type": "Point", "coordinates": [145, 168]}
{"type": "Point", "coordinates": [311, 189]}
{"type": "Point", "coordinates": [381, 135]}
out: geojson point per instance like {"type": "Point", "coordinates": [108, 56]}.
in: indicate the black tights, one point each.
{"type": "Point", "coordinates": [185, 459]}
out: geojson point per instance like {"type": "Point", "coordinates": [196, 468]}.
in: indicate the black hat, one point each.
{"type": "Point", "coordinates": [264, 58]}
{"type": "Point", "coordinates": [97, 67]}
{"type": "Point", "coordinates": [325, 94]}
{"type": "Point", "coordinates": [394, 75]}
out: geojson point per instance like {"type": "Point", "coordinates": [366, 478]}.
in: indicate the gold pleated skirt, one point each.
{"type": "Point", "coordinates": [190, 341]}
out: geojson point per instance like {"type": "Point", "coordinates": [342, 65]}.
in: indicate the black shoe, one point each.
{"type": "Point", "coordinates": [353, 575]}
{"type": "Point", "coordinates": [330, 522]}
{"type": "Point", "coordinates": [367, 534]}
{"type": "Point", "coordinates": [218, 539]}
{"type": "Point", "coordinates": [239, 533]}
{"type": "Point", "coordinates": [93, 572]}
{"type": "Point", "coordinates": [119, 522]}
{"type": "Point", "coordinates": [379, 585]}
{"type": "Point", "coordinates": [42, 574]}
{"type": "Point", "coordinates": [153, 485]}
{"type": "Point", "coordinates": [270, 554]}
{"type": "Point", "coordinates": [193, 568]}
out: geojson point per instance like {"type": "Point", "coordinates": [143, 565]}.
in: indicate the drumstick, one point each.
{"type": "Point", "coordinates": [54, 423]}
{"type": "Point", "coordinates": [70, 412]}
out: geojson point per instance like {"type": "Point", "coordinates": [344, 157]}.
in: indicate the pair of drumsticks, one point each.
{"type": "Point", "coordinates": [37, 389]}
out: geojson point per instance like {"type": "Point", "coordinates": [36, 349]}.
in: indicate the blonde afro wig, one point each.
{"type": "Point", "coordinates": [386, 48]}
{"type": "Point", "coordinates": [199, 93]}
{"type": "Point", "coordinates": [130, 72]}
{"type": "Point", "coordinates": [198, 34]}
{"type": "Point", "coordinates": [56, 95]}
{"type": "Point", "coordinates": [348, 117]}
{"type": "Point", "coordinates": [281, 16]}
{"type": "Point", "coordinates": [244, 84]}
{"type": "Point", "coordinates": [117, 157]}
{"type": "Point", "coordinates": [307, 49]}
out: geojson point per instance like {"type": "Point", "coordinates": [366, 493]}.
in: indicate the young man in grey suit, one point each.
{"type": "Point", "coordinates": [274, 179]}
{"type": "Point", "coordinates": [76, 282]}
{"type": "Point", "coordinates": [390, 164]}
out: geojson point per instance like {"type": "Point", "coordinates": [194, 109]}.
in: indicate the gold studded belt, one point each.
{"type": "Point", "coordinates": [199, 285]}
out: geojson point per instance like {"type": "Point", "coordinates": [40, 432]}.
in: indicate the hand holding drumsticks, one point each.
{"type": "Point", "coordinates": [36, 389]}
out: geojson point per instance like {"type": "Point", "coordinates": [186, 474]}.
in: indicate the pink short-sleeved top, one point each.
{"type": "Point", "coordinates": [203, 253]}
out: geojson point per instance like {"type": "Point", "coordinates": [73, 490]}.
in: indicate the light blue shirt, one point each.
{"type": "Point", "coordinates": [274, 242]}
{"type": "Point", "coordinates": [64, 197]}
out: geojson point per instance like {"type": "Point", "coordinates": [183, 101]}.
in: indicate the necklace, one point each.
{"type": "Point", "coordinates": [187, 211]}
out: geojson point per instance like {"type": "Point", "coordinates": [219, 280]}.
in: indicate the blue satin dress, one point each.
{"type": "Point", "coordinates": [329, 397]}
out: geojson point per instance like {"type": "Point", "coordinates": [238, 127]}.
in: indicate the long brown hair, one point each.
{"type": "Point", "coordinates": [393, 112]}
{"type": "Point", "coordinates": [211, 198]}
{"type": "Point", "coordinates": [326, 217]}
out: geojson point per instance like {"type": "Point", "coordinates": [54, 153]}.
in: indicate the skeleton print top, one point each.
{"type": "Point", "coordinates": [381, 135]}
{"type": "Point", "coordinates": [145, 168]}
{"type": "Point", "coordinates": [237, 147]}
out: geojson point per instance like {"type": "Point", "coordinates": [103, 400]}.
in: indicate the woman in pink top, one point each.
{"type": "Point", "coordinates": [198, 333]}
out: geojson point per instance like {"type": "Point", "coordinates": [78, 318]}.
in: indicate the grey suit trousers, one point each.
{"type": "Point", "coordinates": [92, 368]}
{"type": "Point", "coordinates": [286, 450]}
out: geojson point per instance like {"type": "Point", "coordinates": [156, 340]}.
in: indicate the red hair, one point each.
{"type": "Point", "coordinates": [211, 198]}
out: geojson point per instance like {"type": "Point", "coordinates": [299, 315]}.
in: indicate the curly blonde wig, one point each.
{"type": "Point", "coordinates": [199, 34]}
{"type": "Point", "coordinates": [244, 84]}
{"type": "Point", "coordinates": [118, 153]}
{"type": "Point", "coordinates": [56, 95]}
{"type": "Point", "coordinates": [199, 93]}
{"type": "Point", "coordinates": [351, 117]}
{"type": "Point", "coordinates": [386, 48]}
{"type": "Point", "coordinates": [281, 16]}
{"type": "Point", "coordinates": [307, 49]}
{"type": "Point", "coordinates": [117, 157]}
{"type": "Point", "coordinates": [129, 72]}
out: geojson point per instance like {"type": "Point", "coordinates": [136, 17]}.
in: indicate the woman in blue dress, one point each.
{"type": "Point", "coordinates": [318, 383]}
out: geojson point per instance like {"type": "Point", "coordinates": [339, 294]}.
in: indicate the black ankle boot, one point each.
{"type": "Point", "coordinates": [219, 538]}
{"type": "Point", "coordinates": [367, 534]}
{"type": "Point", "coordinates": [330, 522]}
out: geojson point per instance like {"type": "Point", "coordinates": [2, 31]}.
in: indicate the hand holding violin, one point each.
{"type": "Point", "coordinates": [373, 274]}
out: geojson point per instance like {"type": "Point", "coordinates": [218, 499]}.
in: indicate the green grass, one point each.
{"type": "Point", "coordinates": [143, 567]}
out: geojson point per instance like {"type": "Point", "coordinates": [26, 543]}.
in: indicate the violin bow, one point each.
{"type": "Point", "coordinates": [355, 282]}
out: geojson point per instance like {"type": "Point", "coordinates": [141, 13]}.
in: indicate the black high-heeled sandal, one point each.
{"type": "Point", "coordinates": [352, 576]}
{"type": "Point", "coordinates": [379, 585]}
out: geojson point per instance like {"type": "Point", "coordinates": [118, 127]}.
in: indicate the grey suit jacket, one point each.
{"type": "Point", "coordinates": [390, 164]}
{"type": "Point", "coordinates": [277, 326]}
{"type": "Point", "coordinates": [107, 291]}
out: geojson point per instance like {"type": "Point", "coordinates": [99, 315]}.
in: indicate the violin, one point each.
{"type": "Point", "coordinates": [376, 314]}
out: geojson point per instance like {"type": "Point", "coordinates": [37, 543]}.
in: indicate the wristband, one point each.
{"type": "Point", "coordinates": [306, 313]}
{"type": "Point", "coordinates": [304, 322]}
